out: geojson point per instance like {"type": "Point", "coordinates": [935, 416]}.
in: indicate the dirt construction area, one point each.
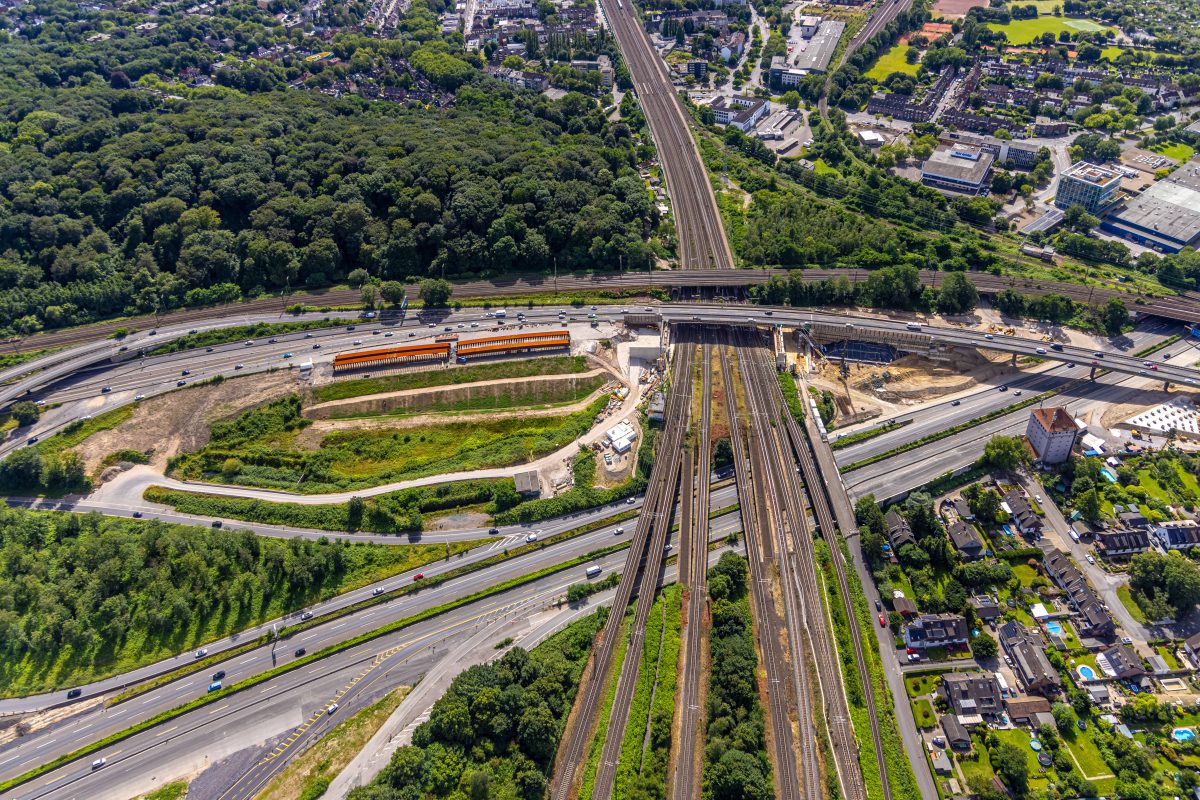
{"type": "Point", "coordinates": [873, 390]}
{"type": "Point", "coordinates": [178, 422]}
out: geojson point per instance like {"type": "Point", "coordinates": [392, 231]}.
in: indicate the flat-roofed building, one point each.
{"type": "Point", "coordinates": [959, 168]}
{"type": "Point", "coordinates": [1088, 185]}
{"type": "Point", "coordinates": [741, 112]}
{"type": "Point", "coordinates": [1165, 217]}
{"type": "Point", "coordinates": [821, 46]}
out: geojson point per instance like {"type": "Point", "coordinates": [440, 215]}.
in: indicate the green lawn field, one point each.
{"type": "Point", "coordinates": [1024, 31]}
{"type": "Point", "coordinates": [892, 61]}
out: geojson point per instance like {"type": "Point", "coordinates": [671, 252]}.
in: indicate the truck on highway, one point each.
{"type": "Point", "coordinates": [501, 314]}
{"type": "Point", "coordinates": [913, 326]}
{"type": "Point", "coordinates": [593, 570]}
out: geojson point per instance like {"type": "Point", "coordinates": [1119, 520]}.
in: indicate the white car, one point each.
{"type": "Point", "coordinates": [531, 538]}
{"type": "Point", "coordinates": [358, 341]}
{"type": "Point", "coordinates": [99, 762]}
{"type": "Point", "coordinates": [201, 653]}
{"type": "Point", "coordinates": [1090, 559]}
{"type": "Point", "coordinates": [139, 397]}
{"type": "Point", "coordinates": [332, 708]}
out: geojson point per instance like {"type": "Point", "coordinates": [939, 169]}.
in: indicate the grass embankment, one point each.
{"type": "Point", "coordinates": [472, 373]}
{"type": "Point", "coordinates": [176, 790]}
{"type": "Point", "coordinates": [262, 448]}
{"type": "Point", "coordinates": [900, 775]}
{"type": "Point", "coordinates": [511, 396]}
{"type": "Point", "coordinates": [16, 359]}
{"type": "Point", "coordinates": [139, 591]}
{"type": "Point", "coordinates": [870, 433]}
{"type": "Point", "coordinates": [75, 433]}
{"type": "Point", "coordinates": [309, 775]}
{"type": "Point", "coordinates": [588, 784]}
{"type": "Point", "coordinates": [954, 429]}
{"type": "Point", "coordinates": [395, 512]}
{"type": "Point", "coordinates": [238, 333]}
{"type": "Point", "coordinates": [642, 768]}
{"type": "Point", "coordinates": [304, 661]}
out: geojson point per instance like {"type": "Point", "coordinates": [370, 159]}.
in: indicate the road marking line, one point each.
{"type": "Point", "coordinates": [164, 733]}
{"type": "Point", "coordinates": [247, 661]}
{"type": "Point", "coordinates": [43, 744]}
{"type": "Point", "coordinates": [218, 708]}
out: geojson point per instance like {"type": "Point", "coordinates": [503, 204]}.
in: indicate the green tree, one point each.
{"type": "Point", "coordinates": [435, 293]}
{"type": "Point", "coordinates": [370, 295]}
{"type": "Point", "coordinates": [1088, 505]}
{"type": "Point", "coordinates": [358, 277]}
{"type": "Point", "coordinates": [1115, 316]}
{"type": "Point", "coordinates": [1005, 452]}
{"type": "Point", "coordinates": [25, 412]}
{"type": "Point", "coordinates": [957, 294]}
{"type": "Point", "coordinates": [1064, 718]}
{"type": "Point", "coordinates": [1008, 761]}
{"type": "Point", "coordinates": [393, 292]}
{"type": "Point", "coordinates": [984, 646]}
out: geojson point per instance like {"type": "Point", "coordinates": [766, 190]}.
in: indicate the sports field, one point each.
{"type": "Point", "coordinates": [1024, 31]}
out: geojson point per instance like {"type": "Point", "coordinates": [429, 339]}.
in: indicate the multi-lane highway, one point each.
{"type": "Point", "coordinates": [1181, 308]}
{"type": "Point", "coordinates": [97, 722]}
{"type": "Point", "coordinates": [288, 702]}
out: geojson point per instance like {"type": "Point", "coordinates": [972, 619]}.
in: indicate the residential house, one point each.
{"type": "Point", "coordinates": [1027, 650]}
{"type": "Point", "coordinates": [1118, 544]}
{"type": "Point", "coordinates": [972, 693]}
{"type": "Point", "coordinates": [986, 608]}
{"type": "Point", "coordinates": [904, 607]}
{"type": "Point", "coordinates": [1093, 619]}
{"type": "Point", "coordinates": [1025, 709]}
{"type": "Point", "coordinates": [957, 737]}
{"type": "Point", "coordinates": [1191, 646]}
{"type": "Point", "coordinates": [1023, 515]}
{"type": "Point", "coordinates": [1124, 664]}
{"type": "Point", "coordinates": [966, 540]}
{"type": "Point", "coordinates": [899, 531]}
{"type": "Point", "coordinates": [936, 630]}
{"type": "Point", "coordinates": [1177, 535]}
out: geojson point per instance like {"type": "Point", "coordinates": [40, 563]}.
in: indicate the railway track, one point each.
{"type": "Point", "coordinates": [793, 751]}
{"type": "Point", "coordinates": [641, 567]}
{"type": "Point", "coordinates": [798, 567]}
{"type": "Point", "coordinates": [833, 516]}
{"type": "Point", "coordinates": [618, 720]}
{"type": "Point", "coordinates": [1180, 308]}
{"type": "Point", "coordinates": [702, 242]}
{"type": "Point", "coordinates": [685, 781]}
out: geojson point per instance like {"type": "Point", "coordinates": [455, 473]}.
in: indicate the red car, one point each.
{"type": "Point", "coordinates": [418, 576]}
{"type": "Point", "coordinates": [882, 621]}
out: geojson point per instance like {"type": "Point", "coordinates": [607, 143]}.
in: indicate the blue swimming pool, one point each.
{"type": "Point", "coordinates": [1108, 474]}
{"type": "Point", "coordinates": [1086, 672]}
{"type": "Point", "coordinates": [1054, 627]}
{"type": "Point", "coordinates": [1183, 734]}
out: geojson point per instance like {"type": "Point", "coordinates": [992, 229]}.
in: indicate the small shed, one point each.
{"type": "Point", "coordinates": [528, 483]}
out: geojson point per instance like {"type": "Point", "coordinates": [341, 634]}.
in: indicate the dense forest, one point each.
{"type": "Point", "coordinates": [495, 731]}
{"type": "Point", "coordinates": [120, 192]}
{"type": "Point", "coordinates": [82, 596]}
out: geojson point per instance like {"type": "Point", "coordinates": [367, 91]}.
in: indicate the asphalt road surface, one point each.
{"type": "Point", "coordinates": [285, 703]}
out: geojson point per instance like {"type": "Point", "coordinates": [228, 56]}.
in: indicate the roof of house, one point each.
{"type": "Point", "coordinates": [954, 730]}
{"type": "Point", "coordinates": [1054, 420]}
{"type": "Point", "coordinates": [964, 536]}
{"type": "Point", "coordinates": [1124, 662]}
{"type": "Point", "coordinates": [1026, 706]}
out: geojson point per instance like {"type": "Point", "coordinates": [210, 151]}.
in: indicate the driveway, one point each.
{"type": "Point", "coordinates": [1106, 584]}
